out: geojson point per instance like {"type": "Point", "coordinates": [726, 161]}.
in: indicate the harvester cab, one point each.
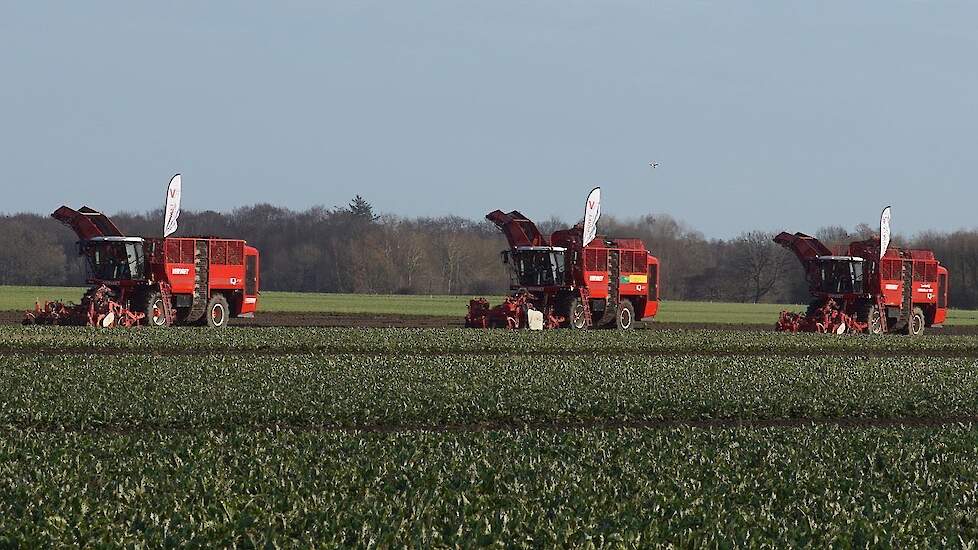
{"type": "Point", "coordinates": [837, 275]}
{"type": "Point", "coordinates": [536, 266]}
{"type": "Point", "coordinates": [114, 259]}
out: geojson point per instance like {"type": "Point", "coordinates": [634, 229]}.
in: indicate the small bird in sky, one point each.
{"type": "Point", "coordinates": [653, 164]}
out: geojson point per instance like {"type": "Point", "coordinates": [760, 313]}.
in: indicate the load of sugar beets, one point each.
{"type": "Point", "coordinates": [154, 281]}
{"type": "Point", "coordinates": [561, 281]}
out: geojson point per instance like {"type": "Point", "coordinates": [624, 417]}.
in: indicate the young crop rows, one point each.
{"type": "Point", "coordinates": [126, 392]}
{"type": "Point", "coordinates": [390, 342]}
{"type": "Point", "coordinates": [458, 438]}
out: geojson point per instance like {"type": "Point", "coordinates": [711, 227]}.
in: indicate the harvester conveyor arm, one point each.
{"type": "Point", "coordinates": [805, 247]}
{"type": "Point", "coordinates": [86, 222]}
{"type": "Point", "coordinates": [519, 230]}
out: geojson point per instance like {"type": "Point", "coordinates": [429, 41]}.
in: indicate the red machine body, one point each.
{"type": "Point", "coordinates": [856, 290]}
{"type": "Point", "coordinates": [607, 282]}
{"type": "Point", "coordinates": [155, 281]}
{"type": "Point", "coordinates": [202, 266]}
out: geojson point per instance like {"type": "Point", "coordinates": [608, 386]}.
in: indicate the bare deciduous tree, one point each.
{"type": "Point", "coordinates": [757, 263]}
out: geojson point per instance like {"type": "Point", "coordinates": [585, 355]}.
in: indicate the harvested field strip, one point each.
{"type": "Point", "coordinates": [148, 391]}
{"type": "Point", "coordinates": [817, 486]}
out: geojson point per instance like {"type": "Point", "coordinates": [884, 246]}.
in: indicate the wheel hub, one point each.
{"type": "Point", "coordinates": [218, 314]}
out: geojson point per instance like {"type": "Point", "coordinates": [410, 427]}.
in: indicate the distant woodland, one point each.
{"type": "Point", "coordinates": [354, 249]}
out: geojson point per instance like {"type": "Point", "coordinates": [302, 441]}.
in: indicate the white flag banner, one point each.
{"type": "Point", "coordinates": [592, 211]}
{"type": "Point", "coordinates": [884, 231]}
{"type": "Point", "coordinates": [172, 211]}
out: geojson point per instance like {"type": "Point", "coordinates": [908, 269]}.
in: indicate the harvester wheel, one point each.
{"type": "Point", "coordinates": [217, 311]}
{"type": "Point", "coordinates": [874, 320]}
{"type": "Point", "coordinates": [153, 308]}
{"type": "Point", "coordinates": [626, 315]}
{"type": "Point", "coordinates": [575, 315]}
{"type": "Point", "coordinates": [915, 327]}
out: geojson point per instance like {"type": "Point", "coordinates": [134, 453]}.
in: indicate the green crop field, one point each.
{"type": "Point", "coordinates": [13, 298]}
{"type": "Point", "coordinates": [455, 438]}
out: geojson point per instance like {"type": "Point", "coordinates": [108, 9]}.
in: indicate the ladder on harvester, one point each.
{"type": "Point", "coordinates": [585, 295]}
{"type": "Point", "coordinates": [167, 299]}
{"type": "Point", "coordinates": [201, 280]}
{"type": "Point", "coordinates": [614, 282]}
{"type": "Point", "coordinates": [906, 307]}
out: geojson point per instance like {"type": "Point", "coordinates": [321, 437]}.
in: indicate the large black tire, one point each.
{"type": "Point", "coordinates": [153, 308]}
{"type": "Point", "coordinates": [915, 326]}
{"type": "Point", "coordinates": [218, 312]}
{"type": "Point", "coordinates": [575, 314]}
{"type": "Point", "coordinates": [625, 320]}
{"type": "Point", "coordinates": [874, 318]}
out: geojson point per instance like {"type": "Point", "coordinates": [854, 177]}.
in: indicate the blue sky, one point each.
{"type": "Point", "coordinates": [767, 115]}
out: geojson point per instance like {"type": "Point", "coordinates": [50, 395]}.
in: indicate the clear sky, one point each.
{"type": "Point", "coordinates": [762, 114]}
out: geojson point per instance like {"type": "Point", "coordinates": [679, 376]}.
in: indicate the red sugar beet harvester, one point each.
{"type": "Point", "coordinates": [154, 281]}
{"type": "Point", "coordinates": [859, 291]}
{"type": "Point", "coordinates": [557, 282]}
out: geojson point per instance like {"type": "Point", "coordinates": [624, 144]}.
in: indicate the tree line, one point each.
{"type": "Point", "coordinates": [353, 249]}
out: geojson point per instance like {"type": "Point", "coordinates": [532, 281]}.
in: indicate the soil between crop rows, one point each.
{"type": "Point", "coordinates": [594, 352]}
{"type": "Point", "coordinates": [358, 320]}
{"type": "Point", "coordinates": [369, 320]}
{"type": "Point", "coordinates": [514, 425]}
